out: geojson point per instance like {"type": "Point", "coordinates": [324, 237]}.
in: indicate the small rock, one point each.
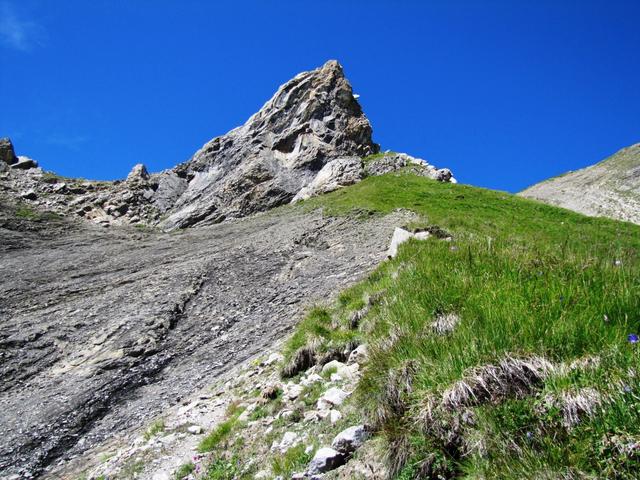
{"type": "Point", "coordinates": [324, 460]}
{"type": "Point", "coordinates": [24, 163]}
{"type": "Point", "coordinates": [138, 172]}
{"type": "Point", "coordinates": [273, 358]}
{"type": "Point", "coordinates": [334, 416]}
{"type": "Point", "coordinates": [359, 355]}
{"type": "Point", "coordinates": [7, 154]}
{"type": "Point", "coordinates": [29, 195]}
{"type": "Point", "coordinates": [349, 440]}
{"type": "Point", "coordinates": [311, 379]}
{"type": "Point", "coordinates": [293, 392]}
{"type": "Point", "coordinates": [332, 397]}
{"type": "Point", "coordinates": [195, 429]}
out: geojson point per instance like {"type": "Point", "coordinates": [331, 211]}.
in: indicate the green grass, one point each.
{"type": "Point", "coordinates": [184, 471]}
{"type": "Point", "coordinates": [216, 436]}
{"type": "Point", "coordinates": [527, 280]}
{"type": "Point", "coordinates": [156, 428]}
{"type": "Point", "coordinates": [293, 460]}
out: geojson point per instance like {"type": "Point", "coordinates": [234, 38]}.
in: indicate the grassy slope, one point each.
{"type": "Point", "coordinates": [528, 281]}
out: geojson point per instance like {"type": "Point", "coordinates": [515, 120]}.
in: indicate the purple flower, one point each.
{"type": "Point", "coordinates": [633, 338]}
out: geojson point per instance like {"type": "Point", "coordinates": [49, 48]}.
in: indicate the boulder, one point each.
{"type": "Point", "coordinates": [29, 195]}
{"type": "Point", "coordinates": [331, 398]}
{"type": "Point", "coordinates": [7, 154]}
{"type": "Point", "coordinates": [359, 355]}
{"type": "Point", "coordinates": [325, 460]}
{"type": "Point", "coordinates": [138, 173]}
{"type": "Point", "coordinates": [349, 440]}
{"type": "Point", "coordinates": [335, 174]}
{"type": "Point", "coordinates": [400, 236]}
{"type": "Point", "coordinates": [24, 163]}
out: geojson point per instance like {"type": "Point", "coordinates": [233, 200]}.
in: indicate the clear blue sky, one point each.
{"type": "Point", "coordinates": [505, 93]}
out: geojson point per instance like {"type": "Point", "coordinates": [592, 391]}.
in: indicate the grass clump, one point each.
{"type": "Point", "coordinates": [184, 471]}
{"type": "Point", "coordinates": [293, 460]}
{"type": "Point", "coordinates": [506, 390]}
{"type": "Point", "coordinates": [216, 436]}
{"type": "Point", "coordinates": [156, 428]}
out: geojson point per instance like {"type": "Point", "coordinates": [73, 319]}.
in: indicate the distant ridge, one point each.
{"type": "Point", "coordinates": [610, 188]}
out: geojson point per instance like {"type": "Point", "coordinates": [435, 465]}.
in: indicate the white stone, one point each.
{"type": "Point", "coordinates": [195, 429]}
{"type": "Point", "coordinates": [311, 379]}
{"type": "Point", "coordinates": [334, 416]}
{"type": "Point", "coordinates": [293, 392]}
{"type": "Point", "coordinates": [332, 397]}
{"type": "Point", "coordinates": [359, 355]}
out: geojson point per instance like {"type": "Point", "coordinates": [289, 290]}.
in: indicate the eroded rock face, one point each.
{"type": "Point", "coordinates": [7, 154]}
{"type": "Point", "coordinates": [335, 174]}
{"type": "Point", "coordinates": [311, 120]}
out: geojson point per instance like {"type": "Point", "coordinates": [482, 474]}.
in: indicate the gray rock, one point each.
{"type": "Point", "coordinates": [29, 195]}
{"type": "Point", "coordinates": [138, 173]}
{"type": "Point", "coordinates": [325, 460]}
{"type": "Point", "coordinates": [24, 163]}
{"type": "Point", "coordinates": [7, 154]}
{"type": "Point", "coordinates": [332, 397]}
{"type": "Point", "coordinates": [349, 440]}
{"type": "Point", "coordinates": [335, 174]}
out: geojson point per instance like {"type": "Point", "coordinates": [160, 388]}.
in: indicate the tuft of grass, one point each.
{"type": "Point", "coordinates": [156, 427]}
{"type": "Point", "coordinates": [216, 436]}
{"type": "Point", "coordinates": [292, 461]}
{"type": "Point", "coordinates": [184, 471]}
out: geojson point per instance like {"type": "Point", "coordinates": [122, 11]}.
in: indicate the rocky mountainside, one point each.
{"type": "Point", "coordinates": [103, 328]}
{"type": "Point", "coordinates": [610, 188]}
{"type": "Point", "coordinates": [300, 141]}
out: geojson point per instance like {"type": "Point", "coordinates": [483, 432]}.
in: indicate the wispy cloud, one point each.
{"type": "Point", "coordinates": [16, 32]}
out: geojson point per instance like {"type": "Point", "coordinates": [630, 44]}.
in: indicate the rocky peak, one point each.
{"type": "Point", "coordinates": [310, 120]}
{"type": "Point", "coordinates": [7, 154]}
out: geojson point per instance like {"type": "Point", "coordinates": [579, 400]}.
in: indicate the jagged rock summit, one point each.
{"type": "Point", "coordinates": [310, 120]}
{"type": "Point", "coordinates": [611, 188]}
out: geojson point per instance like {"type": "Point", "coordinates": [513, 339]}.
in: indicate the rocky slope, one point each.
{"type": "Point", "coordinates": [610, 188]}
{"type": "Point", "coordinates": [103, 328]}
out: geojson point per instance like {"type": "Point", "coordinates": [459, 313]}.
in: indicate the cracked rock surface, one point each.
{"type": "Point", "coordinates": [102, 328]}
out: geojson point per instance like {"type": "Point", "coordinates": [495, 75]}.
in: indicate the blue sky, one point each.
{"type": "Point", "coordinates": [505, 93]}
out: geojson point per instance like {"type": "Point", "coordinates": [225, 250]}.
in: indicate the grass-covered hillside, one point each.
{"type": "Point", "coordinates": [504, 351]}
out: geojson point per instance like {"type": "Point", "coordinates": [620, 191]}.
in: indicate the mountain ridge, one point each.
{"type": "Point", "coordinates": [608, 188]}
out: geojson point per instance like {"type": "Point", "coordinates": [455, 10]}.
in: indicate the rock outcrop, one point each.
{"type": "Point", "coordinates": [7, 153]}
{"type": "Point", "coordinates": [610, 188]}
{"type": "Point", "coordinates": [311, 120]}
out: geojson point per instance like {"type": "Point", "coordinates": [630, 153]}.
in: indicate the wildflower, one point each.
{"type": "Point", "coordinates": [617, 263]}
{"type": "Point", "coordinates": [632, 338]}
{"type": "Point", "coordinates": [627, 389]}
{"type": "Point", "coordinates": [606, 318]}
